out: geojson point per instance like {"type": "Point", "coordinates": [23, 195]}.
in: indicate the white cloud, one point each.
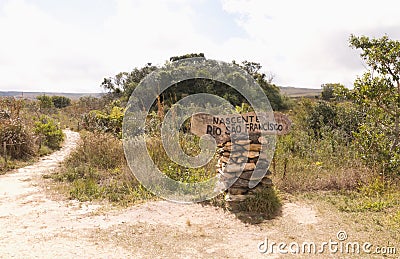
{"type": "Point", "coordinates": [304, 43]}
{"type": "Point", "coordinates": [41, 53]}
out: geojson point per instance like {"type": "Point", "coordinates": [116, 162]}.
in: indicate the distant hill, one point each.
{"type": "Point", "coordinates": [300, 92]}
{"type": "Point", "coordinates": [289, 91]}
{"type": "Point", "coordinates": [33, 95]}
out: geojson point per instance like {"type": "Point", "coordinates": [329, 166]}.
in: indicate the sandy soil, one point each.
{"type": "Point", "coordinates": [35, 224]}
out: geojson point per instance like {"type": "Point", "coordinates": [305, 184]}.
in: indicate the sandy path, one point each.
{"type": "Point", "coordinates": [34, 225]}
{"type": "Point", "coordinates": [31, 224]}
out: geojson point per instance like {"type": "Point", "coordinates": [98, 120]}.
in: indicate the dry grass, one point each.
{"type": "Point", "coordinates": [97, 170]}
{"type": "Point", "coordinates": [299, 176]}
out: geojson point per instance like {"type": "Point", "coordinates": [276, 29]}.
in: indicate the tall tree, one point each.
{"type": "Point", "coordinates": [378, 92]}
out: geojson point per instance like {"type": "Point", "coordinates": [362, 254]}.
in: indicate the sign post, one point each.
{"type": "Point", "coordinates": [243, 144]}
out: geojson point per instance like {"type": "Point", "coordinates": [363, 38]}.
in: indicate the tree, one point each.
{"type": "Point", "coordinates": [45, 102]}
{"type": "Point", "coordinates": [378, 94]}
{"type": "Point", "coordinates": [123, 84]}
{"type": "Point", "coordinates": [334, 92]}
{"type": "Point", "coordinates": [276, 99]}
{"type": "Point", "coordinates": [192, 55]}
{"type": "Point", "coordinates": [49, 132]}
{"type": "Point", "coordinates": [60, 101]}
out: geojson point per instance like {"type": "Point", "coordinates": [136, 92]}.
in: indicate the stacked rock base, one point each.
{"type": "Point", "coordinates": [242, 168]}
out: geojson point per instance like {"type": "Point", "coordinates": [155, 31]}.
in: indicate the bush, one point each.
{"type": "Point", "coordinates": [108, 123]}
{"type": "Point", "coordinates": [14, 130]}
{"type": "Point", "coordinates": [60, 101]}
{"type": "Point", "coordinates": [45, 102]}
{"type": "Point", "coordinates": [266, 201]}
{"type": "Point", "coordinates": [49, 132]}
{"type": "Point", "coordinates": [18, 139]}
{"type": "Point", "coordinates": [319, 151]}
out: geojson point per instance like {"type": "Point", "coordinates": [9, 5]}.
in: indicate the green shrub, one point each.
{"type": "Point", "coordinates": [103, 122]}
{"type": "Point", "coordinates": [45, 103]}
{"type": "Point", "coordinates": [60, 101]}
{"type": "Point", "coordinates": [319, 151]}
{"type": "Point", "coordinates": [49, 132]}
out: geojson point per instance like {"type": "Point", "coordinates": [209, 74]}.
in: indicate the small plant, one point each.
{"type": "Point", "coordinates": [266, 201]}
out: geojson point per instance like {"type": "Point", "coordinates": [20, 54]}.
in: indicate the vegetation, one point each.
{"type": "Point", "coordinates": [60, 101]}
{"type": "Point", "coordinates": [97, 170]}
{"type": "Point", "coordinates": [377, 93]}
{"type": "Point", "coordinates": [344, 145]}
{"type": "Point", "coordinates": [122, 85]}
{"type": "Point", "coordinates": [49, 132]}
{"type": "Point", "coordinates": [25, 132]}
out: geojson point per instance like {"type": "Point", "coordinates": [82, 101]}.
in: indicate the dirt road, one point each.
{"type": "Point", "coordinates": [33, 224]}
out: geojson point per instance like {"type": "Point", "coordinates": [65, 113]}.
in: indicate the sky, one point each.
{"type": "Point", "coordinates": [71, 45]}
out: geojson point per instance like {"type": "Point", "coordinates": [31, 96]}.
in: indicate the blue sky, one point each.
{"type": "Point", "coordinates": [70, 46]}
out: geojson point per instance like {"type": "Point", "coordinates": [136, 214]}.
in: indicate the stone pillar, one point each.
{"type": "Point", "coordinates": [235, 154]}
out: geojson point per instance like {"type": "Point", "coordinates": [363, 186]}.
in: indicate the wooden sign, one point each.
{"type": "Point", "coordinates": [222, 126]}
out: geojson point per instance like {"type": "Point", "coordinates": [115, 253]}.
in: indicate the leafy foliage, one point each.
{"type": "Point", "coordinates": [123, 84]}
{"type": "Point", "coordinates": [192, 55]}
{"type": "Point", "coordinates": [49, 132]}
{"type": "Point", "coordinates": [278, 102]}
{"type": "Point", "coordinates": [334, 92]}
{"type": "Point", "coordinates": [45, 102]}
{"type": "Point", "coordinates": [60, 101]}
{"type": "Point", "coordinates": [377, 92]}
{"type": "Point", "coordinates": [108, 123]}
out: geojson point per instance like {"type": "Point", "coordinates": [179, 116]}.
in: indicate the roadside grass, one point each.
{"type": "Point", "coordinates": [299, 174]}
{"type": "Point", "coordinates": [190, 145]}
{"type": "Point", "coordinates": [305, 163]}
{"type": "Point", "coordinates": [372, 208]}
{"type": "Point", "coordinates": [97, 170]}
{"type": "Point", "coordinates": [14, 164]}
